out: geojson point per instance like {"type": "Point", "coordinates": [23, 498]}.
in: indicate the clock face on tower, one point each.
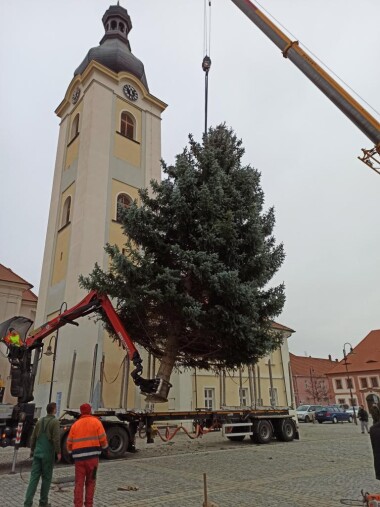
{"type": "Point", "coordinates": [130, 92]}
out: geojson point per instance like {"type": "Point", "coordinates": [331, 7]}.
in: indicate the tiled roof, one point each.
{"type": "Point", "coordinates": [366, 355]}
{"type": "Point", "coordinates": [7, 275]}
{"type": "Point", "coordinates": [280, 327]}
{"type": "Point", "coordinates": [28, 295]}
{"type": "Point", "coordinates": [301, 365]}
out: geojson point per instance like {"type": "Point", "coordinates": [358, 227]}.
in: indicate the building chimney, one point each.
{"type": "Point", "coordinates": [330, 357]}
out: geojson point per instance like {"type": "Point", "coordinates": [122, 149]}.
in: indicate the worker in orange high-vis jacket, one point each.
{"type": "Point", "coordinates": [86, 440]}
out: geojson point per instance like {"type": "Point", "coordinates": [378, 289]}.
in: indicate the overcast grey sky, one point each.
{"type": "Point", "coordinates": [326, 201]}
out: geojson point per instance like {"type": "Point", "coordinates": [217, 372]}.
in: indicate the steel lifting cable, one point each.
{"type": "Point", "coordinates": [117, 375]}
{"type": "Point", "coordinates": [206, 62]}
{"type": "Point", "coordinates": [317, 58]}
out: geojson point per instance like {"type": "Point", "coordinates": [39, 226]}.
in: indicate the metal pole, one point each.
{"type": "Point", "coordinates": [259, 385]}
{"type": "Point", "coordinates": [196, 387]}
{"type": "Point", "coordinates": [71, 379]}
{"type": "Point", "coordinates": [254, 384]}
{"type": "Point", "coordinates": [240, 387]}
{"type": "Point", "coordinates": [122, 384]}
{"type": "Point", "coordinates": [63, 305]}
{"type": "Point", "coordinates": [93, 372]}
{"type": "Point", "coordinates": [53, 367]}
{"type": "Point", "coordinates": [272, 400]}
{"type": "Point", "coordinates": [250, 383]}
{"type": "Point", "coordinates": [349, 384]}
{"type": "Point", "coordinates": [127, 365]}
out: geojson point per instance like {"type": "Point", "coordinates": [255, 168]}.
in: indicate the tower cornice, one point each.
{"type": "Point", "coordinates": [87, 75]}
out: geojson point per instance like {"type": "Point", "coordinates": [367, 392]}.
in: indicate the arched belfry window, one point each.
{"type": "Point", "coordinates": [127, 125]}
{"type": "Point", "coordinates": [123, 202]}
{"type": "Point", "coordinates": [66, 211]}
{"type": "Point", "coordinates": [75, 126]}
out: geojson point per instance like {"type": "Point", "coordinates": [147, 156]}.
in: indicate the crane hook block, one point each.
{"type": "Point", "coordinates": [206, 64]}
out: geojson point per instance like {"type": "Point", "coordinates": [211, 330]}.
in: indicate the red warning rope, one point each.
{"type": "Point", "coordinates": [199, 432]}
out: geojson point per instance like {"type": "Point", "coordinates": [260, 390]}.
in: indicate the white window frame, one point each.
{"type": "Point", "coordinates": [209, 396]}
{"type": "Point", "coordinates": [243, 396]}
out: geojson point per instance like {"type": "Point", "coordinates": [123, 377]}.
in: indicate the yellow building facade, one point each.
{"type": "Point", "coordinates": [109, 146]}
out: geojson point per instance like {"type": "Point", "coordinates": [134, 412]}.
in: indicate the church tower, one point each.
{"type": "Point", "coordinates": [109, 146]}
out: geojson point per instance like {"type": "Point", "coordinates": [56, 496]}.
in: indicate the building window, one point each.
{"type": "Point", "coordinates": [209, 398]}
{"type": "Point", "coordinates": [75, 127]}
{"type": "Point", "coordinates": [341, 401]}
{"type": "Point", "coordinates": [338, 383]}
{"type": "Point", "coordinates": [243, 393]}
{"type": "Point", "coordinates": [127, 125]}
{"type": "Point", "coordinates": [374, 382]}
{"type": "Point", "coordinates": [364, 383]}
{"type": "Point", "coordinates": [123, 202]}
{"type": "Point", "coordinates": [66, 212]}
{"type": "Point", "coordinates": [349, 383]}
{"type": "Point", "coordinates": [273, 396]}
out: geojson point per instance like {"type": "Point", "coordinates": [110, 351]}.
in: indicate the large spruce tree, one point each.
{"type": "Point", "coordinates": [192, 283]}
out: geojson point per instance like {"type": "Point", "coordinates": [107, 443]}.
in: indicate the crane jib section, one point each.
{"type": "Point", "coordinates": [290, 49]}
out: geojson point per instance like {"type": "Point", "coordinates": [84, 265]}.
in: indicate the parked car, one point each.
{"type": "Point", "coordinates": [350, 410]}
{"type": "Point", "coordinates": [333, 414]}
{"type": "Point", "coordinates": [306, 413]}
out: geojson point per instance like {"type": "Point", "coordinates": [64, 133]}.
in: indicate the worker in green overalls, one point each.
{"type": "Point", "coordinates": [44, 445]}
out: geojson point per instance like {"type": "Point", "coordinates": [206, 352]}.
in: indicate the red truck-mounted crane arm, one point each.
{"type": "Point", "coordinates": [338, 95]}
{"type": "Point", "coordinates": [20, 357]}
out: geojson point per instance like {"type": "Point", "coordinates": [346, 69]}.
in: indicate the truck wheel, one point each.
{"type": "Point", "coordinates": [262, 432]}
{"type": "Point", "coordinates": [66, 456]}
{"type": "Point", "coordinates": [118, 442]}
{"type": "Point", "coordinates": [284, 430]}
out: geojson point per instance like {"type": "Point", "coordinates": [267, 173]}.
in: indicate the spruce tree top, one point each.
{"type": "Point", "coordinates": [200, 256]}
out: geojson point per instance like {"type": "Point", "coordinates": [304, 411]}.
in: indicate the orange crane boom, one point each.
{"type": "Point", "coordinates": [336, 93]}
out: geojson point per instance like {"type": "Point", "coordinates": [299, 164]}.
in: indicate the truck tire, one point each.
{"type": "Point", "coordinates": [284, 430]}
{"type": "Point", "coordinates": [118, 441]}
{"type": "Point", "coordinates": [66, 456]}
{"type": "Point", "coordinates": [262, 432]}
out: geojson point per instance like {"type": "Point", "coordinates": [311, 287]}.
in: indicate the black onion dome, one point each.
{"type": "Point", "coordinates": [114, 51]}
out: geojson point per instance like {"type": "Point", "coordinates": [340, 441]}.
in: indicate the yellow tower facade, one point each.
{"type": "Point", "coordinates": [109, 146]}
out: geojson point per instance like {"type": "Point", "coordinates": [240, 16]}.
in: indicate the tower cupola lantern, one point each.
{"type": "Point", "coordinates": [117, 23]}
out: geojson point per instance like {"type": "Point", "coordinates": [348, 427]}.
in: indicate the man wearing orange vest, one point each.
{"type": "Point", "coordinates": [86, 440]}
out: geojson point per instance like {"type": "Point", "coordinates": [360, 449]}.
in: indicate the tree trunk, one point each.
{"type": "Point", "coordinates": [165, 371]}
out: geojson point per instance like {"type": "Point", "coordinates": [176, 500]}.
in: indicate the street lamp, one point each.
{"type": "Point", "coordinates": [49, 351]}
{"type": "Point", "coordinates": [348, 377]}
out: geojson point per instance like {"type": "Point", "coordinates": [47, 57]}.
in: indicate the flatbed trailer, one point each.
{"type": "Point", "coordinates": [262, 425]}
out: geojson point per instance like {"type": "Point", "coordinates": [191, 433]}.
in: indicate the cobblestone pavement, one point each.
{"type": "Point", "coordinates": [328, 463]}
